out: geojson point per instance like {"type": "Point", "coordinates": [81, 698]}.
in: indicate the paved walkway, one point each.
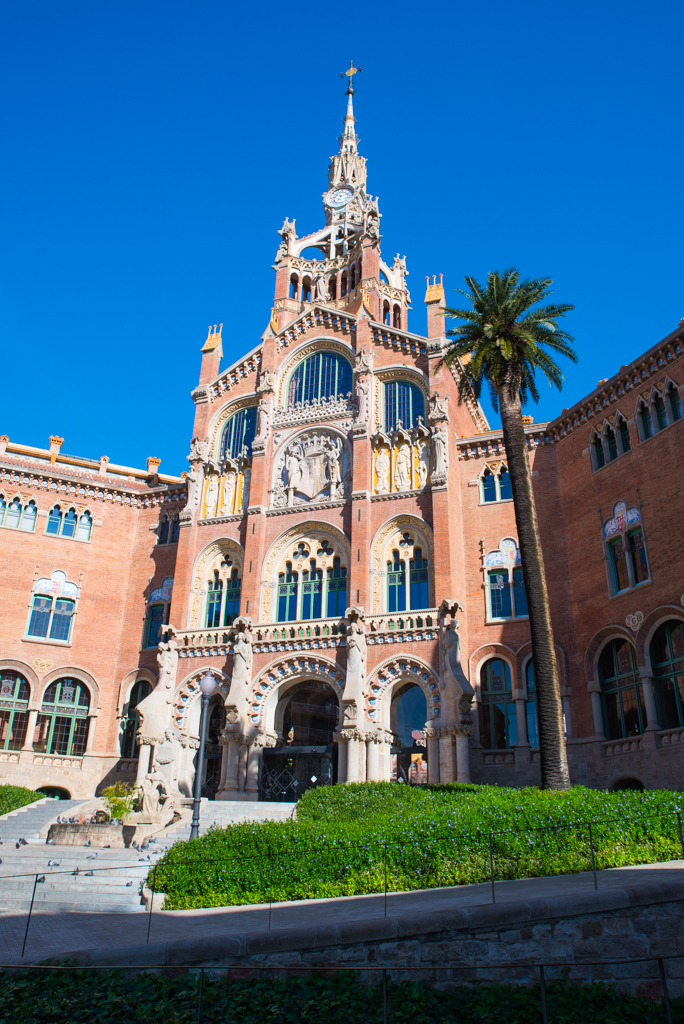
{"type": "Point", "coordinates": [53, 932]}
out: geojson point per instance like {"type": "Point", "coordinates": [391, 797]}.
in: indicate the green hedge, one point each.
{"type": "Point", "coordinates": [128, 998]}
{"type": "Point", "coordinates": [346, 837]}
{"type": "Point", "coordinates": [12, 797]}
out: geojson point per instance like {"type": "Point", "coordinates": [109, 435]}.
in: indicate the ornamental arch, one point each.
{"type": "Point", "coordinates": [220, 419]}
{"type": "Point", "coordinates": [221, 556]}
{"type": "Point", "coordinates": [281, 676]}
{"type": "Point", "coordinates": [308, 348]}
{"type": "Point", "coordinates": [312, 540]}
{"type": "Point", "coordinates": [403, 534]}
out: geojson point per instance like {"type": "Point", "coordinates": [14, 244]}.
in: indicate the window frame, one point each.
{"type": "Point", "coordinates": [12, 707]}
{"type": "Point", "coordinates": [6, 504]}
{"type": "Point", "coordinates": [415, 400]}
{"type": "Point", "coordinates": [489, 698]}
{"type": "Point", "coordinates": [78, 518]}
{"type": "Point", "coordinates": [55, 710]}
{"type": "Point", "coordinates": [634, 683]}
{"type": "Point", "coordinates": [47, 637]}
{"type": "Point", "coordinates": [302, 386]}
{"type": "Point", "coordinates": [496, 475]}
{"type": "Point", "coordinates": [514, 580]}
{"type": "Point", "coordinates": [669, 671]}
{"type": "Point", "coordinates": [229, 431]}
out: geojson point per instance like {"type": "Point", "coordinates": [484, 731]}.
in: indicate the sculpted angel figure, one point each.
{"type": "Point", "coordinates": [382, 466]}
{"type": "Point", "coordinates": [403, 468]}
{"type": "Point", "coordinates": [321, 287]}
{"type": "Point", "coordinates": [362, 393]}
{"type": "Point", "coordinates": [212, 495]}
{"type": "Point", "coordinates": [193, 479]}
{"type": "Point", "coordinates": [242, 660]}
{"type": "Point", "coordinates": [423, 467]}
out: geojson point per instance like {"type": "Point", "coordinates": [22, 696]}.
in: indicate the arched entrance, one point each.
{"type": "Point", "coordinates": [306, 717]}
{"type": "Point", "coordinates": [408, 715]}
{"type": "Point", "coordinates": [211, 773]}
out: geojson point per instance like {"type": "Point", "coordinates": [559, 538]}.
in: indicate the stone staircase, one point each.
{"type": "Point", "coordinates": [116, 882]}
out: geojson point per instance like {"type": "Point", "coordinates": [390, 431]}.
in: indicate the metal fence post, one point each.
{"type": "Point", "coordinates": [384, 996]}
{"type": "Point", "coordinates": [199, 1003]}
{"type": "Point", "coordinates": [679, 827]}
{"type": "Point", "coordinates": [491, 866]}
{"type": "Point", "coordinates": [149, 918]}
{"type": "Point", "coordinates": [384, 864]}
{"type": "Point", "coordinates": [593, 859]}
{"type": "Point", "coordinates": [666, 994]}
{"type": "Point", "coordinates": [33, 896]}
{"type": "Point", "coordinates": [542, 989]}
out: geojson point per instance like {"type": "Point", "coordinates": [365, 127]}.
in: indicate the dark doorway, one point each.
{"type": "Point", "coordinates": [211, 777]}
{"type": "Point", "coordinates": [305, 757]}
{"type": "Point", "coordinates": [408, 717]}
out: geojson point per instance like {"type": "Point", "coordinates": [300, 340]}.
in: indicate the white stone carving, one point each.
{"type": "Point", "coordinates": [633, 622]}
{"type": "Point", "coordinates": [440, 465]}
{"type": "Point", "coordinates": [315, 466]}
{"type": "Point", "coordinates": [211, 499]}
{"type": "Point", "coordinates": [402, 468]}
{"type": "Point", "coordinates": [363, 398]}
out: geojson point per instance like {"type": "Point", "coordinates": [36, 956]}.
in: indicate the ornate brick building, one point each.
{"type": "Point", "coordinates": [342, 554]}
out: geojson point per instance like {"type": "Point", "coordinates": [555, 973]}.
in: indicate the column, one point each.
{"type": "Point", "coordinates": [30, 730]}
{"type": "Point", "coordinates": [253, 761]}
{"type": "Point", "coordinates": [341, 760]}
{"type": "Point", "coordinates": [521, 719]}
{"type": "Point", "coordinates": [92, 719]}
{"type": "Point", "coordinates": [373, 760]}
{"type": "Point", "coordinates": [242, 766]}
{"type": "Point", "coordinates": [144, 751]}
{"type": "Point", "coordinates": [597, 710]}
{"type": "Point", "coordinates": [566, 715]}
{"type": "Point", "coordinates": [462, 757]}
{"type": "Point", "coordinates": [649, 700]}
{"type": "Point", "coordinates": [229, 768]}
{"type": "Point", "coordinates": [432, 756]}
{"type": "Point", "coordinates": [447, 768]}
{"type": "Point", "coordinates": [353, 759]}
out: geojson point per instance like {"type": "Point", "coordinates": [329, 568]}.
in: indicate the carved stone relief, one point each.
{"type": "Point", "coordinates": [314, 466]}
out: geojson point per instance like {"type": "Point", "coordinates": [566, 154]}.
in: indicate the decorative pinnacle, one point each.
{"type": "Point", "coordinates": [349, 75]}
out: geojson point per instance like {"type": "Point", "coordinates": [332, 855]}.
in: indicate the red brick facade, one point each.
{"type": "Point", "coordinates": [324, 476]}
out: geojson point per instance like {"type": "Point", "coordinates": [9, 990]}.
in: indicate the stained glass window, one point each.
{"type": "Point", "coordinates": [287, 594]}
{"type": "Point", "coordinates": [323, 375]}
{"type": "Point", "coordinates": [498, 721]}
{"type": "Point", "coordinates": [667, 660]}
{"type": "Point", "coordinates": [499, 595]}
{"type": "Point", "coordinates": [214, 597]}
{"type": "Point", "coordinates": [312, 596]}
{"type": "Point", "coordinates": [14, 698]}
{"type": "Point", "coordinates": [403, 401]}
{"type": "Point", "coordinates": [238, 433]}
{"type": "Point", "coordinates": [62, 725]}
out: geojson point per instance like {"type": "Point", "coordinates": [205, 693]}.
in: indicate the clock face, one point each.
{"type": "Point", "coordinates": [340, 197]}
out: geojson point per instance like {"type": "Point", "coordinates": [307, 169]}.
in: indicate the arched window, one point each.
{"type": "Point", "coordinates": [163, 530]}
{"type": "Point", "coordinates": [85, 524]}
{"type": "Point", "coordinates": [175, 530]}
{"type": "Point", "coordinates": [28, 518]}
{"type": "Point", "coordinates": [674, 403]}
{"type": "Point", "coordinates": [238, 433]}
{"type": "Point", "coordinates": [623, 432]}
{"type": "Point", "coordinates": [14, 699]}
{"type": "Point", "coordinates": [352, 277]}
{"type": "Point", "coordinates": [287, 594]}
{"type": "Point", "coordinates": [531, 705]}
{"type": "Point", "coordinates": [337, 590]}
{"type": "Point", "coordinates": [140, 690]}
{"type": "Point", "coordinates": [13, 514]}
{"type": "Point", "coordinates": [623, 703]}
{"type": "Point", "coordinates": [488, 486]}
{"type": "Point", "coordinates": [611, 443]}
{"type": "Point", "coordinates": [306, 289]}
{"type": "Point", "coordinates": [667, 660]}
{"type": "Point", "coordinates": [54, 522]}
{"type": "Point", "coordinates": [660, 413]}
{"type": "Point", "coordinates": [294, 286]}
{"type": "Point", "coordinates": [51, 617]}
{"type": "Point", "coordinates": [312, 591]}
{"type": "Point", "coordinates": [343, 285]}
{"type": "Point", "coordinates": [69, 523]}
{"type": "Point", "coordinates": [156, 620]}
{"type": "Point", "coordinates": [3, 509]}
{"type": "Point", "coordinates": [418, 578]}
{"type": "Point", "coordinates": [646, 422]}
{"type": "Point", "coordinates": [214, 598]}
{"type": "Point", "coordinates": [332, 286]}
{"type": "Point", "coordinates": [323, 375]}
{"type": "Point", "coordinates": [233, 590]}
{"type": "Point", "coordinates": [599, 454]}
{"type": "Point", "coordinates": [386, 313]}
{"type": "Point", "coordinates": [498, 722]}
{"type": "Point", "coordinates": [62, 725]}
{"type": "Point", "coordinates": [396, 584]}
{"type": "Point", "coordinates": [403, 401]}
{"type": "Point", "coordinates": [396, 317]}
{"type": "Point", "coordinates": [505, 489]}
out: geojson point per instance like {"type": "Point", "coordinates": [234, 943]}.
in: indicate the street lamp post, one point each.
{"type": "Point", "coordinates": [207, 685]}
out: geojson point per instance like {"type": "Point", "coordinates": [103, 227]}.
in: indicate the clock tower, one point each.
{"type": "Point", "coordinates": [340, 265]}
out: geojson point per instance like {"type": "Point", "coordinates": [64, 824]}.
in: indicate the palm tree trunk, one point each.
{"type": "Point", "coordinates": [554, 761]}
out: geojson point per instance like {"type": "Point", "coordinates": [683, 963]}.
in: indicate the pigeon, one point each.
{"type": "Point", "coordinates": [88, 874]}
{"type": "Point", "coordinates": [88, 843]}
{"type": "Point", "coordinates": [151, 841]}
{"type": "Point", "coordinates": [49, 842]}
{"type": "Point", "coordinates": [107, 846]}
{"type": "Point", "coordinates": [128, 884]}
{"type": "Point", "coordinates": [53, 863]}
{"type": "Point", "coordinates": [135, 846]}
{"type": "Point", "coordinates": [41, 879]}
{"type": "Point", "coordinates": [92, 856]}
{"type": "Point", "coordinates": [76, 872]}
{"type": "Point", "coordinates": [145, 846]}
{"type": "Point", "coordinates": [142, 859]}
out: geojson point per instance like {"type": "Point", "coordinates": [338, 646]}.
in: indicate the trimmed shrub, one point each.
{"type": "Point", "coordinates": [12, 797]}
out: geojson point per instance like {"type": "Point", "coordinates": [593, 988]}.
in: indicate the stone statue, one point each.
{"type": "Point", "coordinates": [263, 417]}
{"type": "Point", "coordinates": [382, 467]}
{"type": "Point", "coordinates": [356, 653]}
{"type": "Point", "coordinates": [246, 484]}
{"type": "Point", "coordinates": [199, 450]}
{"type": "Point", "coordinates": [402, 469]}
{"type": "Point", "coordinates": [440, 463]}
{"type": "Point", "coordinates": [229, 494]}
{"type": "Point", "coordinates": [293, 469]}
{"type": "Point", "coordinates": [167, 659]}
{"type": "Point", "coordinates": [212, 496]}
{"type": "Point", "coordinates": [363, 362]}
{"type": "Point", "coordinates": [321, 286]}
{"type": "Point", "coordinates": [242, 661]}
{"type": "Point", "coordinates": [333, 459]}
{"type": "Point", "coordinates": [266, 381]}
{"type": "Point", "coordinates": [438, 408]}
{"type": "Point", "coordinates": [193, 479]}
{"type": "Point", "coordinates": [454, 677]}
{"type": "Point", "coordinates": [362, 395]}
{"type": "Point", "coordinates": [423, 467]}
{"type": "Point", "coordinates": [157, 802]}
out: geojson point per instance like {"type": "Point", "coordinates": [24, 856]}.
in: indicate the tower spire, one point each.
{"type": "Point", "coordinates": [349, 138]}
{"type": "Point", "coordinates": [348, 168]}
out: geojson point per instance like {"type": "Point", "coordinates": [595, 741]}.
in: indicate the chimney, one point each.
{"type": "Point", "coordinates": [55, 445]}
{"type": "Point", "coordinates": [212, 353]}
{"type": "Point", "coordinates": [434, 299]}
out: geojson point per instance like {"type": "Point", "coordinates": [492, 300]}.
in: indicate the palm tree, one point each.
{"type": "Point", "coordinates": [503, 342]}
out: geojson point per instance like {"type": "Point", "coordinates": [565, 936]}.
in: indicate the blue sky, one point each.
{"type": "Point", "coordinates": [151, 151]}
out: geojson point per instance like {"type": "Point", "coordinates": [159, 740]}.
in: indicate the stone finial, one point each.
{"type": "Point", "coordinates": [104, 459]}
{"type": "Point", "coordinates": [4, 441]}
{"type": "Point", "coordinates": [55, 446]}
{"type": "Point", "coordinates": [213, 338]}
{"type": "Point", "coordinates": [434, 292]}
{"type": "Point", "coordinates": [153, 466]}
